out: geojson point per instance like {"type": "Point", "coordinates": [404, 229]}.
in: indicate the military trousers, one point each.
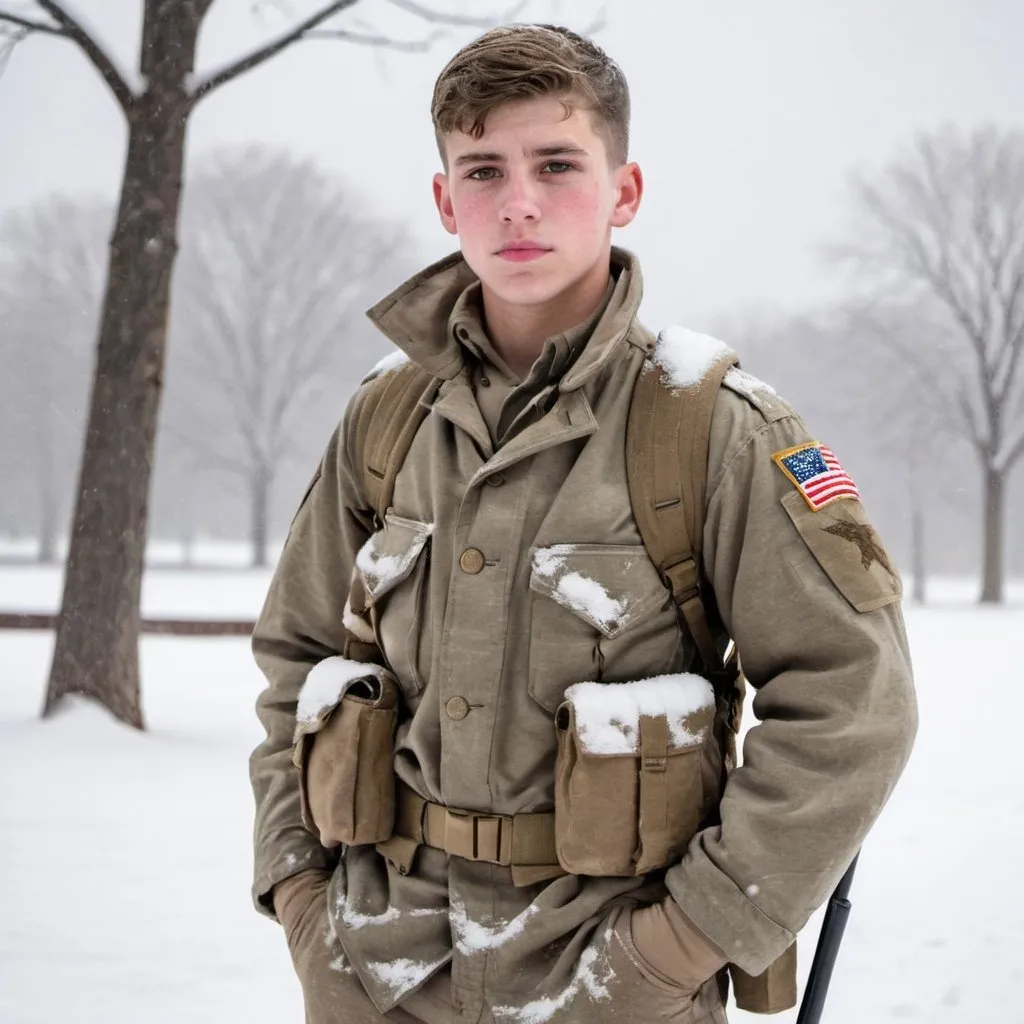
{"type": "Point", "coordinates": [333, 993]}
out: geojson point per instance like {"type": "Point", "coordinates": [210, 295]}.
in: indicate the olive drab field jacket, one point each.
{"type": "Point", "coordinates": [508, 575]}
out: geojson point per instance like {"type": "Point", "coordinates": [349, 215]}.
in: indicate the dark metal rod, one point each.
{"type": "Point", "coordinates": [832, 929]}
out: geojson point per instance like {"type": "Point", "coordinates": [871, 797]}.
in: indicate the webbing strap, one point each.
{"type": "Point", "coordinates": [654, 796]}
{"type": "Point", "coordinates": [389, 417]}
{"type": "Point", "coordinates": [667, 439]}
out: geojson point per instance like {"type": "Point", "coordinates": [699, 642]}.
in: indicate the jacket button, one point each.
{"type": "Point", "coordinates": [495, 480]}
{"type": "Point", "coordinates": [457, 708]}
{"type": "Point", "coordinates": [472, 561]}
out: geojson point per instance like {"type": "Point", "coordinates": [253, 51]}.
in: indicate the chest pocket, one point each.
{"type": "Point", "coordinates": [600, 614]}
{"type": "Point", "coordinates": [392, 565]}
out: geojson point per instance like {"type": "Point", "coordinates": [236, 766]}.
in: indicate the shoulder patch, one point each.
{"type": "Point", "coordinates": [746, 384]}
{"type": "Point", "coordinates": [386, 365]}
{"type": "Point", "coordinates": [849, 551]}
{"type": "Point", "coordinates": [760, 395]}
{"type": "Point", "coordinates": [817, 474]}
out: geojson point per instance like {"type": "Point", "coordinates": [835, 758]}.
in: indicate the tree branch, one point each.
{"type": "Point", "coordinates": [72, 29]}
{"type": "Point", "coordinates": [1006, 458]}
{"type": "Point", "coordinates": [456, 20]}
{"type": "Point", "coordinates": [404, 45]}
{"type": "Point", "coordinates": [938, 396]}
{"type": "Point", "coordinates": [600, 22]}
{"type": "Point", "coordinates": [967, 413]}
{"type": "Point", "coordinates": [307, 29]}
{"type": "Point", "coordinates": [32, 26]}
{"type": "Point", "coordinates": [216, 79]}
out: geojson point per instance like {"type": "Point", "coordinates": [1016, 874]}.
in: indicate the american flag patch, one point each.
{"type": "Point", "coordinates": [817, 474]}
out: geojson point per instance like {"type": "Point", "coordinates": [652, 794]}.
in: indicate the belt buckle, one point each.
{"type": "Point", "coordinates": [479, 837]}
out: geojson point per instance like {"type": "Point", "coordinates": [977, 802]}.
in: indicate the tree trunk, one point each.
{"type": "Point", "coordinates": [188, 545]}
{"type": "Point", "coordinates": [47, 553]}
{"type": "Point", "coordinates": [48, 496]}
{"type": "Point", "coordinates": [260, 498]}
{"type": "Point", "coordinates": [918, 559]}
{"type": "Point", "coordinates": [992, 571]}
{"type": "Point", "coordinates": [96, 650]}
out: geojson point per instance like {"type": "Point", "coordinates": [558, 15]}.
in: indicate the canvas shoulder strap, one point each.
{"type": "Point", "coordinates": [387, 420]}
{"type": "Point", "coordinates": [667, 439]}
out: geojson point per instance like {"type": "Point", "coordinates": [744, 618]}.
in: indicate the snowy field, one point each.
{"type": "Point", "coordinates": [125, 858]}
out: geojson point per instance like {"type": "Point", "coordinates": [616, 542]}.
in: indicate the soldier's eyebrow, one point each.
{"type": "Point", "coordinates": [559, 149]}
{"type": "Point", "coordinates": [479, 157]}
{"type": "Point", "coordinates": [494, 157]}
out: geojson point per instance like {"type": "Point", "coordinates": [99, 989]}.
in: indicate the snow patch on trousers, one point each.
{"type": "Point", "coordinates": [402, 975]}
{"type": "Point", "coordinates": [474, 937]}
{"type": "Point", "coordinates": [591, 978]}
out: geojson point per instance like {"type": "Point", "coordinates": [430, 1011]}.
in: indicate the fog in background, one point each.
{"type": "Point", "coordinates": [748, 120]}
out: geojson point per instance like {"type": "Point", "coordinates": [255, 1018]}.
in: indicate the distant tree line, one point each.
{"type": "Point", "coordinates": [278, 264]}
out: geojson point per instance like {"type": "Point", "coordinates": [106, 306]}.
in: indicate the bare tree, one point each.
{"type": "Point", "coordinates": [846, 370]}
{"type": "Point", "coordinates": [96, 649]}
{"type": "Point", "coordinates": [279, 263]}
{"type": "Point", "coordinates": [51, 277]}
{"type": "Point", "coordinates": [893, 354]}
{"type": "Point", "coordinates": [943, 228]}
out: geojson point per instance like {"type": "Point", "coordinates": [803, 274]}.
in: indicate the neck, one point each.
{"type": "Point", "coordinates": [518, 332]}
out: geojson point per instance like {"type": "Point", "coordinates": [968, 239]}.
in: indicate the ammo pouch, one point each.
{"type": "Point", "coordinates": [628, 780]}
{"type": "Point", "coordinates": [344, 752]}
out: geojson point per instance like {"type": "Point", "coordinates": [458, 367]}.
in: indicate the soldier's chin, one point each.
{"type": "Point", "coordinates": [529, 289]}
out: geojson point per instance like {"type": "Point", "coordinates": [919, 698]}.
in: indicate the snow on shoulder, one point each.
{"type": "Point", "coordinates": [760, 395]}
{"type": "Point", "coordinates": [390, 362]}
{"type": "Point", "coordinates": [685, 356]}
{"type": "Point", "coordinates": [747, 384]}
{"type": "Point", "coordinates": [608, 714]}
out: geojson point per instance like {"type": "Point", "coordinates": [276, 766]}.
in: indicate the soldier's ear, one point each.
{"type": "Point", "coordinates": [443, 201]}
{"type": "Point", "coordinates": [629, 190]}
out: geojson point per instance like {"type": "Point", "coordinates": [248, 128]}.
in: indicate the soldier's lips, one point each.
{"type": "Point", "coordinates": [522, 253]}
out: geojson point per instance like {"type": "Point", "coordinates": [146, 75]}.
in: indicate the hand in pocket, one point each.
{"type": "Point", "coordinates": [672, 947]}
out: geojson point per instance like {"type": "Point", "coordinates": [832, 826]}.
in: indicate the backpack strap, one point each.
{"type": "Point", "coordinates": [667, 439]}
{"type": "Point", "coordinates": [386, 423]}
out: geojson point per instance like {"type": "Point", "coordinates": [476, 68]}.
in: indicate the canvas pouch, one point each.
{"type": "Point", "coordinates": [628, 779]}
{"type": "Point", "coordinates": [344, 752]}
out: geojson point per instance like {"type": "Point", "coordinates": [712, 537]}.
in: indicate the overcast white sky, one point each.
{"type": "Point", "coordinates": [748, 115]}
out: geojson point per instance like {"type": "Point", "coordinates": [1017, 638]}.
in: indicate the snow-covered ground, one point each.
{"type": "Point", "coordinates": [124, 858]}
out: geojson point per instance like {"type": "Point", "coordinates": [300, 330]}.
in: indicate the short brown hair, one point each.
{"type": "Point", "coordinates": [517, 62]}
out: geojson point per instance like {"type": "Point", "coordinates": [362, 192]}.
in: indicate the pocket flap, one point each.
{"type": "Point", "coordinates": [327, 682]}
{"type": "Point", "coordinates": [390, 554]}
{"type": "Point", "coordinates": [606, 716]}
{"type": "Point", "coordinates": [612, 587]}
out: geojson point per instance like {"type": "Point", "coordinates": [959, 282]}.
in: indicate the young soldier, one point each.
{"type": "Point", "coordinates": [510, 567]}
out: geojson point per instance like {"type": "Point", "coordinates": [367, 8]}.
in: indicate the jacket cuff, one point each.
{"type": "Point", "coordinates": [729, 918]}
{"type": "Point", "coordinates": [297, 854]}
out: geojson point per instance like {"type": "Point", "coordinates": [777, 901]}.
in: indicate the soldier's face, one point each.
{"type": "Point", "coordinates": [534, 200]}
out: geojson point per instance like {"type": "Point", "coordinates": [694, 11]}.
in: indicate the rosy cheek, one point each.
{"type": "Point", "coordinates": [579, 205]}
{"type": "Point", "coordinates": [471, 208]}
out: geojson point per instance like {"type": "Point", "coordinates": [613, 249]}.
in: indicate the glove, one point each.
{"type": "Point", "coordinates": [673, 947]}
{"type": "Point", "coordinates": [330, 990]}
{"type": "Point", "coordinates": [300, 903]}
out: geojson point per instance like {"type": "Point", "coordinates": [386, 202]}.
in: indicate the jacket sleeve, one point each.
{"type": "Point", "coordinates": [302, 622]}
{"type": "Point", "coordinates": [813, 604]}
